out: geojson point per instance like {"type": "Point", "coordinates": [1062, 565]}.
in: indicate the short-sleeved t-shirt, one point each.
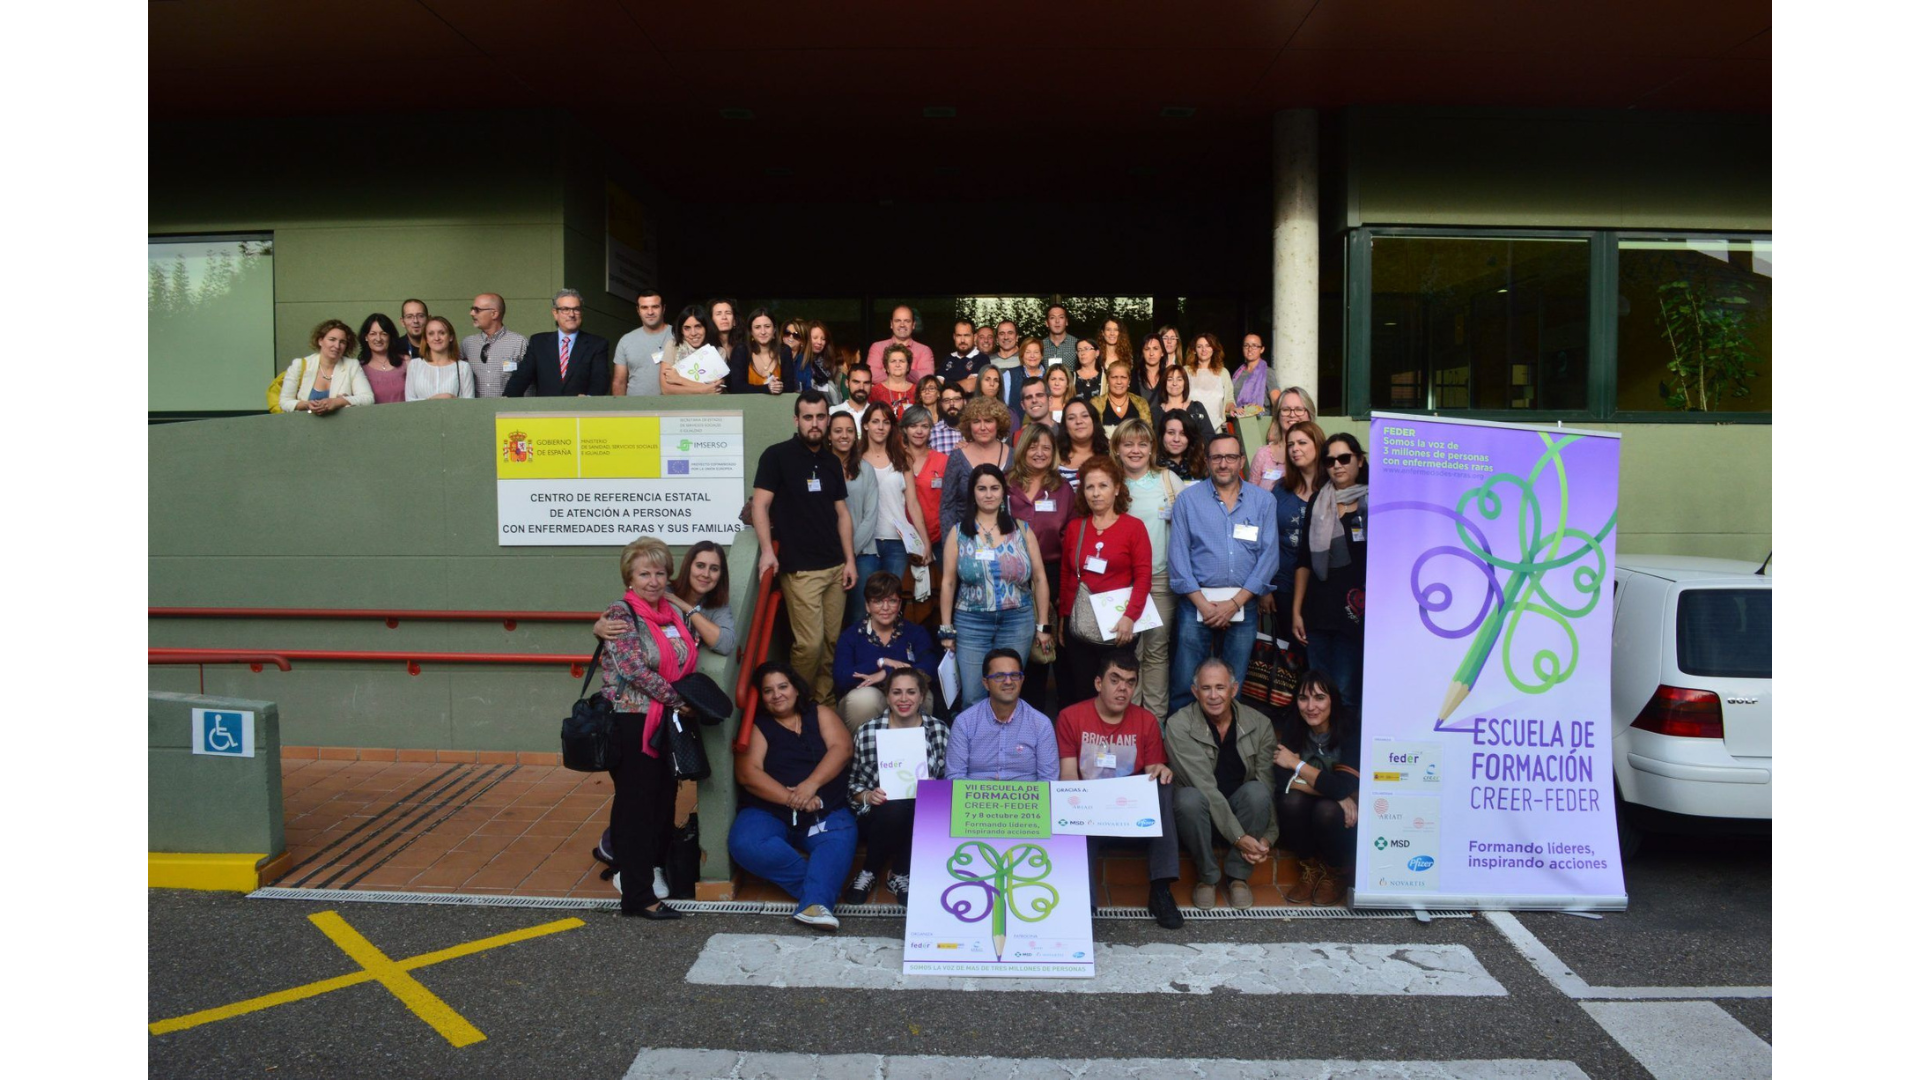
{"type": "Point", "coordinates": [1106, 751]}
{"type": "Point", "coordinates": [803, 519]}
{"type": "Point", "coordinates": [956, 368]}
{"type": "Point", "coordinates": [641, 352]}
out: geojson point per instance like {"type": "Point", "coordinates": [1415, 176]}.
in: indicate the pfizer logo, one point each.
{"type": "Point", "coordinates": [1419, 863]}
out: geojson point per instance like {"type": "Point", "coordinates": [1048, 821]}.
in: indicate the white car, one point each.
{"type": "Point", "coordinates": [1692, 694]}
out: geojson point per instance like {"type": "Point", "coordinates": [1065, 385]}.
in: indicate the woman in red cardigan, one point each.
{"type": "Point", "coordinates": [1103, 548]}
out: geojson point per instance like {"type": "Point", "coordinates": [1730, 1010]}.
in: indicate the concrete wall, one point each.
{"type": "Point", "coordinates": [199, 803]}
{"type": "Point", "coordinates": [1599, 170]}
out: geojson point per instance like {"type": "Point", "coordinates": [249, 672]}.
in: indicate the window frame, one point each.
{"type": "Point", "coordinates": [1603, 302]}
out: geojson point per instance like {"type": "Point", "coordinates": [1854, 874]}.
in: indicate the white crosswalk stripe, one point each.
{"type": "Point", "coordinates": [672, 1064]}
{"type": "Point", "coordinates": [874, 963]}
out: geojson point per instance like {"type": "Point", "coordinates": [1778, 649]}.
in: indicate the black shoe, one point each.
{"type": "Point", "coordinates": [657, 912]}
{"type": "Point", "coordinates": [1160, 904]}
{"type": "Point", "coordinates": [897, 884]}
{"type": "Point", "coordinates": [861, 888]}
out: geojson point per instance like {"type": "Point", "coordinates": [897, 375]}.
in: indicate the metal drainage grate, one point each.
{"type": "Point", "coordinates": [755, 907]}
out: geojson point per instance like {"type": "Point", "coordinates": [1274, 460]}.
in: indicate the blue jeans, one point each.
{"type": "Point", "coordinates": [768, 847]}
{"type": "Point", "coordinates": [891, 556]}
{"type": "Point", "coordinates": [1193, 642]}
{"type": "Point", "coordinates": [979, 633]}
{"type": "Point", "coordinates": [1337, 656]}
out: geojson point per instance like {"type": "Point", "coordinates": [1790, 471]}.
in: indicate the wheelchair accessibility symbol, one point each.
{"type": "Point", "coordinates": [222, 733]}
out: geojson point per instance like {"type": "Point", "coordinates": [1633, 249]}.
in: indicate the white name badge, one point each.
{"type": "Point", "coordinates": [818, 828]}
{"type": "Point", "coordinates": [510, 365]}
{"type": "Point", "coordinates": [658, 356]}
{"type": "Point", "coordinates": [1359, 536]}
{"type": "Point", "coordinates": [672, 632]}
{"type": "Point", "coordinates": [1272, 474]}
{"type": "Point", "coordinates": [1096, 565]}
{"type": "Point", "coordinates": [1249, 533]}
{"type": "Point", "coordinates": [813, 483]}
{"type": "Point", "coordinates": [1107, 761]}
{"type": "Point", "coordinates": [1166, 512]}
{"type": "Point", "coordinates": [1043, 506]}
{"type": "Point", "coordinates": [936, 483]}
{"type": "Point", "coordinates": [984, 555]}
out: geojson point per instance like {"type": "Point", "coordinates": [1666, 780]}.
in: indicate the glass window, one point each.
{"type": "Point", "coordinates": [1480, 322]}
{"type": "Point", "coordinates": [1726, 633]}
{"type": "Point", "coordinates": [1696, 324]}
{"type": "Point", "coordinates": [209, 323]}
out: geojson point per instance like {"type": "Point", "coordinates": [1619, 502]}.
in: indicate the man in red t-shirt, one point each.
{"type": "Point", "coordinates": [1107, 737]}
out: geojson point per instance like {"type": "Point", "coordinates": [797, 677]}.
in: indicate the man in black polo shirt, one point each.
{"type": "Point", "coordinates": [800, 493]}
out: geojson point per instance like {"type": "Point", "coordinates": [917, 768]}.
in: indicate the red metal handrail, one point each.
{"type": "Point", "coordinates": [766, 606]}
{"type": "Point", "coordinates": [202, 657]}
{"type": "Point", "coordinates": [413, 660]}
{"type": "Point", "coordinates": [390, 616]}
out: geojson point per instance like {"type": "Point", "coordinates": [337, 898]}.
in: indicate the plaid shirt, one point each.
{"type": "Point", "coordinates": [866, 755]}
{"type": "Point", "coordinates": [490, 378]}
{"type": "Point", "coordinates": [944, 438]}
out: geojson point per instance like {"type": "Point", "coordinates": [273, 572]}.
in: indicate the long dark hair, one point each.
{"type": "Point", "coordinates": [804, 694]}
{"type": "Point", "coordinates": [738, 335]}
{"type": "Point", "coordinates": [896, 444]}
{"type": "Point", "coordinates": [699, 313]}
{"type": "Point", "coordinates": [683, 581]}
{"type": "Point", "coordinates": [1337, 720]}
{"type": "Point", "coordinates": [851, 463]}
{"type": "Point", "coordinates": [1358, 452]}
{"type": "Point", "coordinates": [393, 339]}
{"type": "Point", "coordinates": [969, 523]}
{"type": "Point", "coordinates": [1194, 461]}
{"type": "Point", "coordinates": [1099, 442]}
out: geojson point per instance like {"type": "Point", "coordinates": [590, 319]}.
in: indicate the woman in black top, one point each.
{"type": "Point", "coordinates": [1182, 449]}
{"type": "Point", "coordinates": [1316, 788]}
{"type": "Point", "coordinates": [1176, 398]}
{"type": "Point", "coordinates": [793, 797]}
{"type": "Point", "coordinates": [1330, 582]}
{"type": "Point", "coordinates": [761, 365]}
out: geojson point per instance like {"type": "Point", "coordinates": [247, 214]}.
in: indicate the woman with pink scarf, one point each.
{"type": "Point", "coordinates": [641, 666]}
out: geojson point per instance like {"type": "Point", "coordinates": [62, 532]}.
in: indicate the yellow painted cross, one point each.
{"type": "Point", "coordinates": [376, 966]}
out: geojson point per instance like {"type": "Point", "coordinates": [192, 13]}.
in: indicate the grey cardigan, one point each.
{"type": "Point", "coordinates": [863, 509]}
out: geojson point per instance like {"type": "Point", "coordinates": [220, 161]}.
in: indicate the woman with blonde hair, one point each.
{"type": "Point", "coordinates": [984, 423]}
{"type": "Point", "coordinates": [329, 379]}
{"type": "Point", "coordinates": [1150, 493]}
{"type": "Point", "coordinates": [817, 364]}
{"type": "Point", "coordinates": [1115, 346]}
{"type": "Point", "coordinates": [439, 372]}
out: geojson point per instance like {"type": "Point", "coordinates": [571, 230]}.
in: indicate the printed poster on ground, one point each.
{"type": "Point", "coordinates": [1486, 773]}
{"type": "Point", "coordinates": [608, 478]}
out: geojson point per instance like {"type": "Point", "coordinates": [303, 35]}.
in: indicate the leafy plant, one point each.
{"type": "Point", "coordinates": [1712, 355]}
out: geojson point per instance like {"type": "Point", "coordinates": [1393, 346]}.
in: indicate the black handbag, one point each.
{"type": "Point", "coordinates": [587, 742]}
{"type": "Point", "coordinates": [705, 700]}
{"type": "Point", "coordinates": [679, 740]}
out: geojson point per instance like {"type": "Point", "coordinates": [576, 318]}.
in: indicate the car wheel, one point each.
{"type": "Point", "coordinates": [1630, 835]}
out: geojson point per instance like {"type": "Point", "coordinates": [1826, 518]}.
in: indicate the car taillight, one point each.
{"type": "Point", "coordinates": [1688, 714]}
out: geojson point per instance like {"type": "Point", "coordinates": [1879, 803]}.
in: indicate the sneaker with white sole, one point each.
{"type": "Point", "coordinates": [616, 884]}
{"type": "Point", "coordinates": [862, 887]}
{"type": "Point", "coordinates": [897, 884]}
{"type": "Point", "coordinates": [817, 917]}
{"type": "Point", "coordinates": [660, 889]}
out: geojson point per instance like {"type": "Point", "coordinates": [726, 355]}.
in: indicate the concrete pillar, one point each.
{"type": "Point", "coordinates": [1294, 353]}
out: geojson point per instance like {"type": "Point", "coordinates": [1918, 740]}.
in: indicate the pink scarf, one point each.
{"type": "Point", "coordinates": [657, 617]}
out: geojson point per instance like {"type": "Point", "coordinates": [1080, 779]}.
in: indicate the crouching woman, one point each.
{"type": "Point", "coordinates": [888, 823]}
{"type": "Point", "coordinates": [1316, 780]}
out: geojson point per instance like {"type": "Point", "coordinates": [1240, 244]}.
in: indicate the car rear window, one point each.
{"type": "Point", "coordinates": [1726, 633]}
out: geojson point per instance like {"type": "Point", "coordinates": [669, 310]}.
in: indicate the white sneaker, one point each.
{"type": "Point", "coordinates": [616, 884]}
{"type": "Point", "coordinates": [660, 889]}
{"type": "Point", "coordinates": [817, 917]}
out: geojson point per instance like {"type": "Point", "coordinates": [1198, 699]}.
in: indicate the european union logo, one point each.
{"type": "Point", "coordinates": [679, 467]}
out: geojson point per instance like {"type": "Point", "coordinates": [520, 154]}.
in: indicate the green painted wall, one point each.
{"type": "Point", "coordinates": [201, 804]}
{"type": "Point", "coordinates": [1601, 170]}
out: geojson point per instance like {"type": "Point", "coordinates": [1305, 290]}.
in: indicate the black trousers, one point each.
{"type": "Point", "coordinates": [1034, 690]}
{"type": "Point", "coordinates": [889, 831]}
{"type": "Point", "coordinates": [643, 789]}
{"type": "Point", "coordinates": [1079, 665]}
{"type": "Point", "coordinates": [1314, 826]}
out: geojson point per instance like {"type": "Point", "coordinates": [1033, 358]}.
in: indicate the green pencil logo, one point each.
{"type": "Point", "coordinates": [1010, 879]}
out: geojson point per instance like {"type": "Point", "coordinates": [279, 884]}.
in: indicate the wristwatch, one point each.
{"type": "Point", "coordinates": [945, 631]}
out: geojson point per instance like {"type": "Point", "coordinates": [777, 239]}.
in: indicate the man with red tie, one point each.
{"type": "Point", "coordinates": [566, 362]}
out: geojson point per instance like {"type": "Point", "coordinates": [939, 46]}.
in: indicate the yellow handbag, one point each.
{"type": "Point", "coordinates": [273, 388]}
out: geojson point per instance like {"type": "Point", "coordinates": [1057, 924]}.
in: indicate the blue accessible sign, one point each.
{"type": "Point", "coordinates": [222, 732]}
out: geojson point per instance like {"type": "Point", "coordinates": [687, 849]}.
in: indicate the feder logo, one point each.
{"type": "Point", "coordinates": [516, 447]}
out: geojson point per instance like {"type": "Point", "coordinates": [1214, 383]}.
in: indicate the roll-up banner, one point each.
{"type": "Point", "coordinates": [1486, 775]}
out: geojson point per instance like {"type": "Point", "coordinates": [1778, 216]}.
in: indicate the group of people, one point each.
{"type": "Point", "coordinates": [1046, 539]}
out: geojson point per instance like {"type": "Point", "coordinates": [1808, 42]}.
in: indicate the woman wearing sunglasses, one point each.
{"type": "Point", "coordinates": [1330, 582]}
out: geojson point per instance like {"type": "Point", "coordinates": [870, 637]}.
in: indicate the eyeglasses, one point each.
{"type": "Point", "coordinates": [568, 310]}
{"type": "Point", "coordinates": [1223, 459]}
{"type": "Point", "coordinates": [474, 309]}
{"type": "Point", "coordinates": [1339, 459]}
{"type": "Point", "coordinates": [1293, 410]}
{"type": "Point", "coordinates": [1005, 677]}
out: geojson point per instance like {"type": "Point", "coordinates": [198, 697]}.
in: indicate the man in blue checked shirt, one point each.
{"type": "Point", "coordinates": [1221, 555]}
{"type": "Point", "coordinates": [1001, 737]}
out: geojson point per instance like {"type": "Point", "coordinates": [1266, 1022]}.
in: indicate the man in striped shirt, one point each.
{"type": "Point", "coordinates": [1001, 737]}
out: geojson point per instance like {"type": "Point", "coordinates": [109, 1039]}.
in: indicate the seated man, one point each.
{"type": "Point", "coordinates": [1107, 737]}
{"type": "Point", "coordinates": [1222, 759]}
{"type": "Point", "coordinates": [1001, 737]}
{"type": "Point", "coordinates": [870, 650]}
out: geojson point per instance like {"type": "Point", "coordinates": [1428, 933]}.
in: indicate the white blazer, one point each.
{"type": "Point", "coordinates": [349, 382]}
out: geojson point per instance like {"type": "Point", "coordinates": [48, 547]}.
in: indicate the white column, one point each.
{"type": "Point", "coordinates": [1294, 352]}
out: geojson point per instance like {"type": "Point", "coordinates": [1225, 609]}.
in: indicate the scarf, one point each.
{"type": "Point", "coordinates": [656, 618]}
{"type": "Point", "coordinates": [1326, 527]}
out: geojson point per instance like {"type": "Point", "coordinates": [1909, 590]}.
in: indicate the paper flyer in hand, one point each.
{"type": "Point", "coordinates": [901, 760]}
{"type": "Point", "coordinates": [1109, 606]}
{"type": "Point", "coordinates": [704, 364]}
{"type": "Point", "coordinates": [1127, 806]}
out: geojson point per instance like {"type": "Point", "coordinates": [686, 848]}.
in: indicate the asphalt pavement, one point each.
{"type": "Point", "coordinates": [585, 1001]}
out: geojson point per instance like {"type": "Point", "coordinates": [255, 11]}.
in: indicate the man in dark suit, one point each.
{"type": "Point", "coordinates": [564, 362]}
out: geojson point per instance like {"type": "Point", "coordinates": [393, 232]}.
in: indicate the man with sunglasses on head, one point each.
{"type": "Point", "coordinates": [636, 360]}
{"type": "Point", "coordinates": [1001, 737]}
{"type": "Point", "coordinates": [495, 352]}
{"type": "Point", "coordinates": [1221, 543]}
